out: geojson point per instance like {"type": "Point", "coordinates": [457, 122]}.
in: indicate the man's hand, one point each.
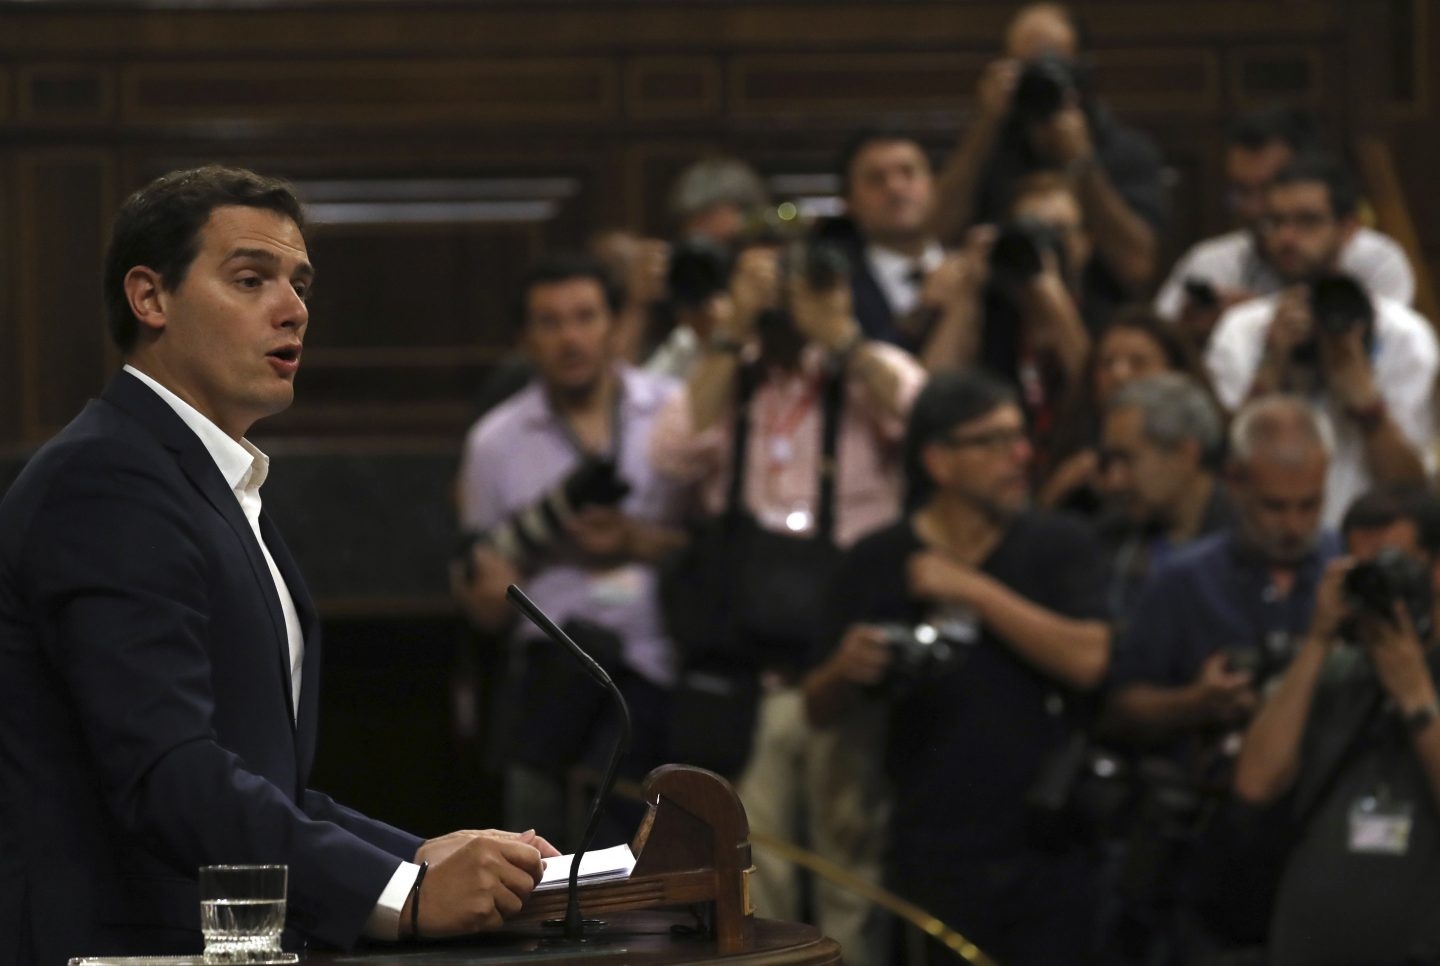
{"type": "Point", "coordinates": [962, 275]}
{"type": "Point", "coordinates": [1346, 365]}
{"type": "Point", "coordinates": [1291, 324]}
{"type": "Point", "coordinates": [1222, 695]}
{"type": "Point", "coordinates": [475, 881]}
{"type": "Point", "coordinates": [1399, 659]}
{"type": "Point", "coordinates": [1330, 606]}
{"type": "Point", "coordinates": [482, 596]}
{"type": "Point", "coordinates": [996, 90]}
{"type": "Point", "coordinates": [863, 656]}
{"type": "Point", "coordinates": [1064, 138]}
{"type": "Point", "coordinates": [438, 849]}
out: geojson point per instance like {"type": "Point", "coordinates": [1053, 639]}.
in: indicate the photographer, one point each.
{"type": "Point", "coordinates": [1368, 360]}
{"type": "Point", "coordinates": [1353, 731]}
{"type": "Point", "coordinates": [556, 483]}
{"type": "Point", "coordinates": [1214, 622]}
{"type": "Point", "coordinates": [789, 426]}
{"type": "Point", "coordinates": [1228, 269]}
{"type": "Point", "coordinates": [1010, 302]}
{"type": "Point", "coordinates": [1015, 598]}
{"type": "Point", "coordinates": [1034, 112]}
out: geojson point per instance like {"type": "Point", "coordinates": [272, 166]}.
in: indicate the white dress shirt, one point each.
{"type": "Point", "coordinates": [1404, 359]}
{"type": "Point", "coordinates": [894, 272]}
{"type": "Point", "coordinates": [244, 468]}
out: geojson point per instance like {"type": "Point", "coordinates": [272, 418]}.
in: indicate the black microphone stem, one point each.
{"type": "Point", "coordinates": [574, 924]}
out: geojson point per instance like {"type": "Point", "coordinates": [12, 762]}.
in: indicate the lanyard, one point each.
{"type": "Point", "coordinates": [617, 428]}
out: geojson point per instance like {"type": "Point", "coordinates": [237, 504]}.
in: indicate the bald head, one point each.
{"type": "Point", "coordinates": [1280, 451]}
{"type": "Point", "coordinates": [1040, 28]}
{"type": "Point", "coordinates": [1281, 429]}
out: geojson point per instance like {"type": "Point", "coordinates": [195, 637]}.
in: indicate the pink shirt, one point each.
{"type": "Point", "coordinates": [782, 482]}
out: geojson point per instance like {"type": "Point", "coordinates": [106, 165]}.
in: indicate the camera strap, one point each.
{"type": "Point", "coordinates": [617, 426]}
{"type": "Point", "coordinates": [832, 395]}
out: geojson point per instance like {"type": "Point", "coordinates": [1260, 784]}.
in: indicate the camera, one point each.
{"type": "Point", "coordinates": [1018, 254]}
{"type": "Point", "coordinates": [532, 530]}
{"type": "Point", "coordinates": [1044, 85]}
{"type": "Point", "coordinates": [918, 651]}
{"type": "Point", "coordinates": [1201, 293]}
{"type": "Point", "coordinates": [1372, 588]}
{"type": "Point", "coordinates": [1338, 302]}
{"type": "Point", "coordinates": [699, 269]}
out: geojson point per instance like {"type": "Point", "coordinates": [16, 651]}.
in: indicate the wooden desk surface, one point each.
{"type": "Point", "coordinates": [642, 938]}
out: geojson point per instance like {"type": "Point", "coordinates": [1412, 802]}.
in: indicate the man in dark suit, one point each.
{"type": "Point", "coordinates": [889, 199]}
{"type": "Point", "coordinates": [159, 654]}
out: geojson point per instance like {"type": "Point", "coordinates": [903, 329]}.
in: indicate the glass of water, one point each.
{"type": "Point", "coordinates": [242, 913]}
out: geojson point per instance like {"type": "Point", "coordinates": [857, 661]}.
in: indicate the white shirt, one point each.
{"type": "Point", "coordinates": [1405, 359]}
{"type": "Point", "coordinates": [1232, 263]}
{"type": "Point", "coordinates": [895, 274]}
{"type": "Point", "coordinates": [244, 468]}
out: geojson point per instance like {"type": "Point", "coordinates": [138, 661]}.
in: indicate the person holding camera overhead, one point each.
{"type": "Point", "coordinates": [557, 492]}
{"type": "Point", "coordinates": [1034, 111]}
{"type": "Point", "coordinates": [1353, 733]}
{"type": "Point", "coordinates": [977, 624]}
{"type": "Point", "coordinates": [1370, 361]}
{"type": "Point", "coordinates": [789, 427]}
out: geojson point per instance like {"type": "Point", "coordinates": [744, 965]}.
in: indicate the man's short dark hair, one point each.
{"type": "Point", "coordinates": [862, 139]}
{"type": "Point", "coordinates": [159, 227]}
{"type": "Point", "coordinates": [1319, 168]}
{"type": "Point", "coordinates": [949, 399]}
{"type": "Point", "coordinates": [1284, 124]}
{"type": "Point", "coordinates": [564, 266]}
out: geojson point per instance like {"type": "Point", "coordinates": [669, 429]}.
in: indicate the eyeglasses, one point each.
{"type": "Point", "coordinates": [1303, 220]}
{"type": "Point", "coordinates": [994, 440]}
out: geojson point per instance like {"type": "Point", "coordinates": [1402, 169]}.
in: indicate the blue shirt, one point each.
{"type": "Point", "coordinates": [1214, 595]}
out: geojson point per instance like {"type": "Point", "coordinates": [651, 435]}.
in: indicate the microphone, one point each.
{"type": "Point", "coordinates": [574, 925]}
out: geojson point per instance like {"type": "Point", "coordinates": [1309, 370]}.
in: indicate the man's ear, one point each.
{"type": "Point", "coordinates": [145, 292]}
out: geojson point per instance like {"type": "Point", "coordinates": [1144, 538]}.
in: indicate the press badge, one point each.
{"type": "Point", "coordinates": [1380, 826]}
{"type": "Point", "coordinates": [618, 587]}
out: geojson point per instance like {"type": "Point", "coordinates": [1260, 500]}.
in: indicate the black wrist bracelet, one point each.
{"type": "Point", "coordinates": [415, 901]}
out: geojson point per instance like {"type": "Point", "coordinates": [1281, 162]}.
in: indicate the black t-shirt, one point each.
{"type": "Point", "coordinates": [1339, 905]}
{"type": "Point", "coordinates": [964, 745]}
{"type": "Point", "coordinates": [1133, 165]}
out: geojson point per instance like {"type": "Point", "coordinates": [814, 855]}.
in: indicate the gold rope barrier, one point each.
{"type": "Point", "coordinates": [842, 877]}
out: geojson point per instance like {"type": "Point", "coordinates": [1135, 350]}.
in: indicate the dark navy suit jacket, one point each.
{"type": "Point", "coordinates": [146, 726]}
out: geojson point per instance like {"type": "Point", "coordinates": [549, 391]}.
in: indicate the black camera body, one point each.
{"type": "Point", "coordinates": [532, 530]}
{"type": "Point", "coordinates": [1339, 303]}
{"type": "Point", "coordinates": [699, 269]}
{"type": "Point", "coordinates": [1018, 254]}
{"type": "Point", "coordinates": [1044, 86]}
{"type": "Point", "coordinates": [1373, 588]}
{"type": "Point", "coordinates": [918, 652]}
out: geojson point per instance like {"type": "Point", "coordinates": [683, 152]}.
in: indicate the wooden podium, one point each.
{"type": "Point", "coordinates": [692, 849]}
{"type": "Point", "coordinates": [687, 901]}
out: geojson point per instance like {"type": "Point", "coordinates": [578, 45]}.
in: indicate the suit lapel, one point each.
{"type": "Point", "coordinates": [194, 460]}
{"type": "Point", "coordinates": [307, 719]}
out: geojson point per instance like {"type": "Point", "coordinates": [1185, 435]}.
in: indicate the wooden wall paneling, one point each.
{"type": "Point", "coordinates": [7, 92]}
{"type": "Point", "coordinates": [1161, 81]}
{"type": "Point", "coordinates": [66, 200]}
{"type": "Point", "coordinates": [10, 356]}
{"type": "Point", "coordinates": [65, 93]}
{"type": "Point", "coordinates": [382, 93]}
{"type": "Point", "coordinates": [1263, 75]}
{"type": "Point", "coordinates": [672, 88]}
{"type": "Point", "coordinates": [857, 84]}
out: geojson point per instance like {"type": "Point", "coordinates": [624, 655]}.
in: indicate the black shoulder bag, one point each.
{"type": "Point", "coordinates": [742, 599]}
